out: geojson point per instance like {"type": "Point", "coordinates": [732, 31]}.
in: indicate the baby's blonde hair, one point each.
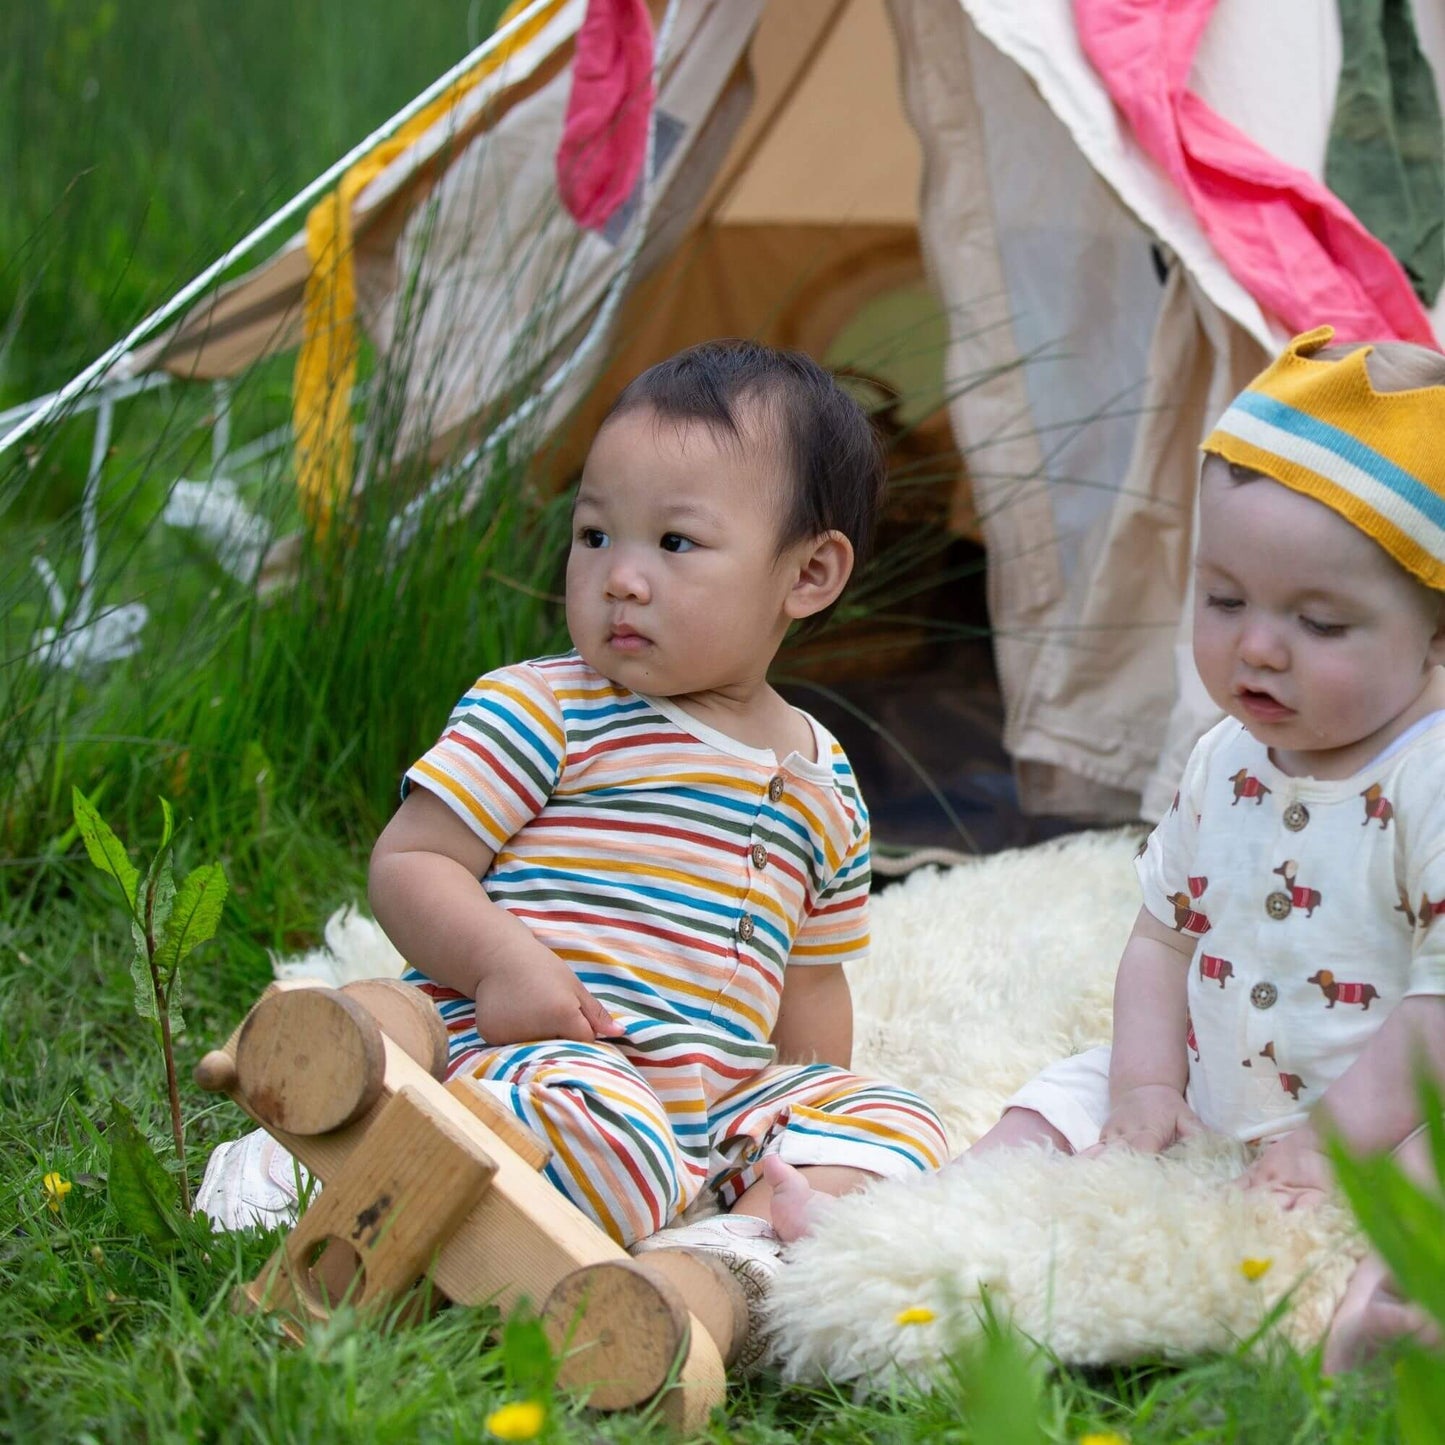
{"type": "Point", "coordinates": [1392, 365]}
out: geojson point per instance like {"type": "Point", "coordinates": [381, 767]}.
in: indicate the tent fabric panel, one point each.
{"type": "Point", "coordinates": [965, 239]}
{"type": "Point", "coordinates": [1269, 69]}
{"type": "Point", "coordinates": [1040, 38]}
{"type": "Point", "coordinates": [1101, 695]}
{"type": "Point", "coordinates": [840, 148]}
{"type": "Point", "coordinates": [256, 315]}
{"type": "Point", "coordinates": [793, 286]}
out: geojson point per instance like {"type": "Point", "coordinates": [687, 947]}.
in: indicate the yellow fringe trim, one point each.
{"type": "Point", "coordinates": [326, 363]}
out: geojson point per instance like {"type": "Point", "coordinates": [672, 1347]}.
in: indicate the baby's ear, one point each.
{"type": "Point", "coordinates": [824, 567]}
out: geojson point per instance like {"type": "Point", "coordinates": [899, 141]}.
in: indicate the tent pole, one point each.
{"type": "Point", "coordinates": [116, 355]}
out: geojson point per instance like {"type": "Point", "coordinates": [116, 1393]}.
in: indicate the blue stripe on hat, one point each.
{"type": "Point", "coordinates": [1348, 448]}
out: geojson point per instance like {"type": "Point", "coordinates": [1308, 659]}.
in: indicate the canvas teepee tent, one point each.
{"type": "Point", "coordinates": [815, 162]}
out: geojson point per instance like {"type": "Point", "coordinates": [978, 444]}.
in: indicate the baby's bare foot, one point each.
{"type": "Point", "coordinates": [793, 1198]}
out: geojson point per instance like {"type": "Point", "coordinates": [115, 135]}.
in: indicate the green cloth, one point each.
{"type": "Point", "coordinates": [1386, 154]}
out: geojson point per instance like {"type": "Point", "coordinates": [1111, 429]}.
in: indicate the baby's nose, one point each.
{"type": "Point", "coordinates": [1261, 645]}
{"type": "Point", "coordinates": [626, 581]}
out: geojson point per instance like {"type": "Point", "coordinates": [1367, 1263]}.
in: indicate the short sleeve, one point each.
{"type": "Point", "coordinates": [836, 931]}
{"type": "Point", "coordinates": [1167, 874]}
{"type": "Point", "coordinates": [500, 756]}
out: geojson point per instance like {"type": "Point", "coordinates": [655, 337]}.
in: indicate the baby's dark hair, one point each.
{"type": "Point", "coordinates": [833, 454]}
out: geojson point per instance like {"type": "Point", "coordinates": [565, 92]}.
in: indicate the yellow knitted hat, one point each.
{"type": "Point", "coordinates": [1375, 457]}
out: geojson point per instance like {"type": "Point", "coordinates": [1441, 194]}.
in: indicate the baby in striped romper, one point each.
{"type": "Point", "coordinates": [630, 876]}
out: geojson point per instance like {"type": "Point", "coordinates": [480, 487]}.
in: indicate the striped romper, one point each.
{"type": "Point", "coordinates": [679, 873]}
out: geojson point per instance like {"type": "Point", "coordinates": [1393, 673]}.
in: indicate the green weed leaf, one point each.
{"type": "Point", "coordinates": [1420, 1398]}
{"type": "Point", "coordinates": [194, 917]}
{"type": "Point", "coordinates": [527, 1358]}
{"type": "Point", "coordinates": [257, 772]}
{"type": "Point", "coordinates": [141, 1192]}
{"type": "Point", "coordinates": [1003, 1388]}
{"type": "Point", "coordinates": [105, 850]}
{"type": "Point", "coordinates": [160, 885]}
{"type": "Point", "coordinates": [140, 973]}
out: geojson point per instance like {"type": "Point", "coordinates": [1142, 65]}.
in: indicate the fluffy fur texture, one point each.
{"type": "Point", "coordinates": [980, 975]}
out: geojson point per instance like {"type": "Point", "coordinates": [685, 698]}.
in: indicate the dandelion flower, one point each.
{"type": "Point", "coordinates": [519, 1420]}
{"type": "Point", "coordinates": [1103, 1437]}
{"type": "Point", "coordinates": [1253, 1269]}
{"type": "Point", "coordinates": [56, 1188]}
{"type": "Point", "coordinates": [915, 1315]}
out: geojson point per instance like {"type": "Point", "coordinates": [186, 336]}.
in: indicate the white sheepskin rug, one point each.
{"type": "Point", "coordinates": [980, 975]}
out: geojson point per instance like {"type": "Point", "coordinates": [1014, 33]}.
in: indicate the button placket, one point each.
{"type": "Point", "coordinates": [1295, 817]}
{"type": "Point", "coordinates": [1264, 995]}
{"type": "Point", "coordinates": [1278, 905]}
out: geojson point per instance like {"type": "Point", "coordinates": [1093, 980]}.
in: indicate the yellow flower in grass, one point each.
{"type": "Point", "coordinates": [1103, 1437]}
{"type": "Point", "coordinates": [915, 1315]}
{"type": "Point", "coordinates": [1253, 1269]}
{"type": "Point", "coordinates": [56, 1189]}
{"type": "Point", "coordinates": [520, 1420]}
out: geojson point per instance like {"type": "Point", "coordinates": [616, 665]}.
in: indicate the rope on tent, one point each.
{"type": "Point", "coordinates": [117, 357]}
{"type": "Point", "coordinates": [402, 528]}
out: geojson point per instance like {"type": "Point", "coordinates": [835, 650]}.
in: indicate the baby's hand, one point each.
{"type": "Point", "coordinates": [1148, 1118]}
{"type": "Point", "coordinates": [1294, 1167]}
{"type": "Point", "coordinates": [541, 1000]}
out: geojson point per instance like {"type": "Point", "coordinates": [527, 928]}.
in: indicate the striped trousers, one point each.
{"type": "Point", "coordinates": [633, 1162]}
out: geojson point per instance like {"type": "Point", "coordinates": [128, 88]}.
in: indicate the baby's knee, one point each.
{"type": "Point", "coordinates": [1018, 1128]}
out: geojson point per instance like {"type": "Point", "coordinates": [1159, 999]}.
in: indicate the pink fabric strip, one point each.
{"type": "Point", "coordinates": [1294, 245]}
{"type": "Point", "coordinates": [604, 135]}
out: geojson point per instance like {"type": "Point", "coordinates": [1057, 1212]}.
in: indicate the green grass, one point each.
{"type": "Point", "coordinates": [137, 142]}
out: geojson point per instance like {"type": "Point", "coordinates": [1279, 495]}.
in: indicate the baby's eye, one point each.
{"type": "Point", "coordinates": [676, 542]}
{"type": "Point", "coordinates": [1322, 629]}
{"type": "Point", "coordinates": [592, 536]}
{"type": "Point", "coordinates": [1223, 604]}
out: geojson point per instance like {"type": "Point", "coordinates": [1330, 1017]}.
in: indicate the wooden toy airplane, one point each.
{"type": "Point", "coordinates": [433, 1180]}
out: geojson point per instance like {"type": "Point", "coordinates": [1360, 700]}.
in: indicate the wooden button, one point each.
{"type": "Point", "coordinates": [759, 855]}
{"type": "Point", "coordinates": [745, 928]}
{"type": "Point", "coordinates": [1277, 905]}
{"type": "Point", "coordinates": [1263, 995]}
{"type": "Point", "coordinates": [775, 790]}
{"type": "Point", "coordinates": [1296, 816]}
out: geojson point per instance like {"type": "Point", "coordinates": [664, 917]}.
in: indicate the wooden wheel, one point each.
{"type": "Point", "coordinates": [309, 1061]}
{"type": "Point", "coordinates": [622, 1332]}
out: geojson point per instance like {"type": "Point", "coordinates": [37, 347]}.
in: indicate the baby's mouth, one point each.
{"type": "Point", "coordinates": [1263, 706]}
{"type": "Point", "coordinates": [625, 638]}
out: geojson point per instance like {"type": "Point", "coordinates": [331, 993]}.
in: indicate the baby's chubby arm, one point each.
{"type": "Point", "coordinates": [1148, 1066]}
{"type": "Point", "coordinates": [425, 891]}
{"type": "Point", "coordinates": [1372, 1107]}
{"type": "Point", "coordinates": [815, 1016]}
